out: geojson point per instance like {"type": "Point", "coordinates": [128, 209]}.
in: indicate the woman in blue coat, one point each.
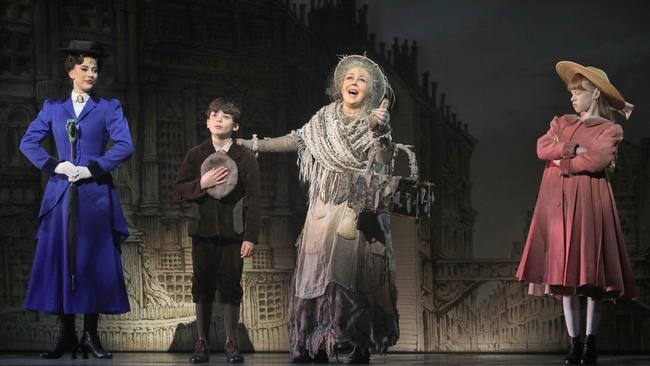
{"type": "Point", "coordinates": [77, 265]}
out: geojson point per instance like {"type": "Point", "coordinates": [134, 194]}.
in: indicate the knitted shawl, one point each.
{"type": "Point", "coordinates": [331, 151]}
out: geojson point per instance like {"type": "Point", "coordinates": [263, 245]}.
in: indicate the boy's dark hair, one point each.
{"type": "Point", "coordinates": [226, 105]}
{"type": "Point", "coordinates": [78, 59]}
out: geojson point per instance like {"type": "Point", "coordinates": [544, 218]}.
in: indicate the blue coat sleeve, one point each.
{"type": "Point", "coordinates": [122, 149]}
{"type": "Point", "coordinates": [30, 145]}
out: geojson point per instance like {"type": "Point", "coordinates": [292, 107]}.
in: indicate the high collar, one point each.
{"type": "Point", "coordinates": [589, 122]}
{"type": "Point", "coordinates": [74, 95]}
{"type": "Point", "coordinates": [89, 105]}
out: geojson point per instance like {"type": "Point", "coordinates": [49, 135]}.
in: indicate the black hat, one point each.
{"type": "Point", "coordinates": [84, 47]}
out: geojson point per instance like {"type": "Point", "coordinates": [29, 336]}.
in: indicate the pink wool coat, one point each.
{"type": "Point", "coordinates": [575, 244]}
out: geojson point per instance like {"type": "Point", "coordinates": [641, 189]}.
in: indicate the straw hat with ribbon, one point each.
{"type": "Point", "coordinates": [567, 71]}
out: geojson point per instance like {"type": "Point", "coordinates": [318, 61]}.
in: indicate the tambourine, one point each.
{"type": "Point", "coordinates": [216, 160]}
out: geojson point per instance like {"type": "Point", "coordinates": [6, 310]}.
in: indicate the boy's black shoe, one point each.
{"type": "Point", "coordinates": [201, 352]}
{"type": "Point", "coordinates": [232, 352]}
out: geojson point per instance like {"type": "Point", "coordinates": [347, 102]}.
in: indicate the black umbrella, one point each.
{"type": "Point", "coordinates": [72, 127]}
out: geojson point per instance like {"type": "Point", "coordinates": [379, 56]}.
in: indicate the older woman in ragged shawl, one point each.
{"type": "Point", "coordinates": [343, 295]}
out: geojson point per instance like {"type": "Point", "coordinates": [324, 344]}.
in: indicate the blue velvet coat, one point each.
{"type": "Point", "coordinates": [99, 284]}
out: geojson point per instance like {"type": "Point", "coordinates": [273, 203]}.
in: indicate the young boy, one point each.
{"type": "Point", "coordinates": [227, 228]}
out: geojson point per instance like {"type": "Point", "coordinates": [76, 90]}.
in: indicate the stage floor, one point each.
{"type": "Point", "coordinates": [401, 359]}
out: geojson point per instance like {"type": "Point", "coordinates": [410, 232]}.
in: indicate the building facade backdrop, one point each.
{"type": "Point", "coordinates": [167, 61]}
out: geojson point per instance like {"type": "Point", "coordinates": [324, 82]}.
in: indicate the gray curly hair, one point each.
{"type": "Point", "coordinates": [378, 86]}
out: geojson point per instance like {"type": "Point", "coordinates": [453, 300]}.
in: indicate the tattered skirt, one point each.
{"type": "Point", "coordinates": [363, 316]}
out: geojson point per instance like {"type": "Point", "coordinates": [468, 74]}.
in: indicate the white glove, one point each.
{"type": "Point", "coordinates": [82, 173]}
{"type": "Point", "coordinates": [66, 168]}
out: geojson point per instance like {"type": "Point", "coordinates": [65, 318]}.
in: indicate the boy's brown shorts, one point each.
{"type": "Point", "coordinates": [217, 265]}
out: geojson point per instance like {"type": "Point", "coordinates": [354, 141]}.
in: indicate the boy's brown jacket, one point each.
{"type": "Point", "coordinates": [236, 216]}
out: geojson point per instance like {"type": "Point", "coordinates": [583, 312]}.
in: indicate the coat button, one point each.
{"type": "Point", "coordinates": [558, 204]}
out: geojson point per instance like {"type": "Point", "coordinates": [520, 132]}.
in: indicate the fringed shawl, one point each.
{"type": "Point", "coordinates": [331, 151]}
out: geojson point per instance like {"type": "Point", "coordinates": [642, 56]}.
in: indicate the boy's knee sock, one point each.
{"type": "Point", "coordinates": [203, 319]}
{"type": "Point", "coordinates": [231, 320]}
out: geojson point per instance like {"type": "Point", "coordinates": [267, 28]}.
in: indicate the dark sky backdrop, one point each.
{"type": "Point", "coordinates": [496, 62]}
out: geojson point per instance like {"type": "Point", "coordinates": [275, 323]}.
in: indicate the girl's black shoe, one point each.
{"type": "Point", "coordinates": [575, 349]}
{"type": "Point", "coordinates": [589, 355]}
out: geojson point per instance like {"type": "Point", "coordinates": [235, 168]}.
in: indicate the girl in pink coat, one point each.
{"type": "Point", "coordinates": [575, 245]}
